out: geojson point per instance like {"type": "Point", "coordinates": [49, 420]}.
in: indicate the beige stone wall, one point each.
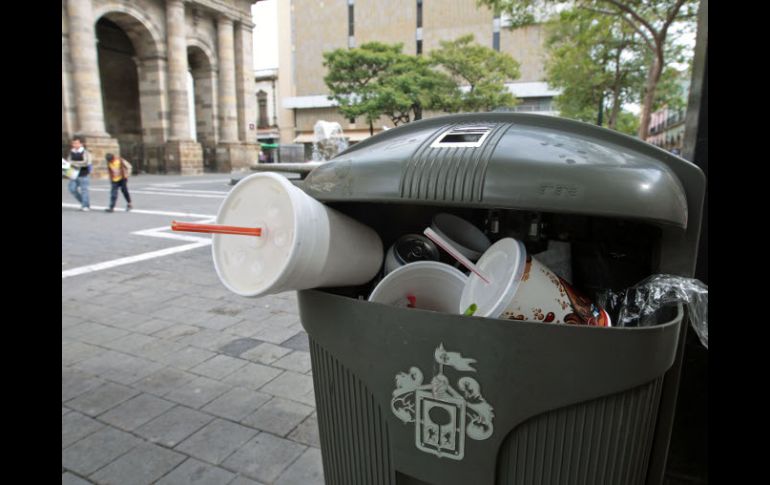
{"type": "Point", "coordinates": [526, 45]}
{"type": "Point", "coordinates": [319, 26]}
{"type": "Point", "coordinates": [390, 22]}
{"type": "Point", "coordinates": [448, 20]}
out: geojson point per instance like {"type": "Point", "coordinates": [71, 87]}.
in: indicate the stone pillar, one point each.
{"type": "Point", "coordinates": [87, 85]}
{"type": "Point", "coordinates": [229, 145]}
{"type": "Point", "coordinates": [247, 102]}
{"type": "Point", "coordinates": [182, 154]}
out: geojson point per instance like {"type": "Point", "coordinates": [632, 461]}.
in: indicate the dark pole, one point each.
{"type": "Point", "coordinates": [601, 110]}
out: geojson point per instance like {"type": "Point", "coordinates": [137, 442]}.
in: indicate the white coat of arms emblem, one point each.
{"type": "Point", "coordinates": [442, 415]}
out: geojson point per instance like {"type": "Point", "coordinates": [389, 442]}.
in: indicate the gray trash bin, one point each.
{"type": "Point", "coordinates": [409, 396]}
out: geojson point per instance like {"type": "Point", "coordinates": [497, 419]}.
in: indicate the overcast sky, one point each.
{"type": "Point", "coordinates": [265, 16]}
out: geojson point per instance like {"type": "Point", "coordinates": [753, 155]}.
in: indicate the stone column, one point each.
{"type": "Point", "coordinates": [86, 83]}
{"type": "Point", "coordinates": [247, 102]}
{"type": "Point", "coordinates": [228, 147]}
{"type": "Point", "coordinates": [182, 154]}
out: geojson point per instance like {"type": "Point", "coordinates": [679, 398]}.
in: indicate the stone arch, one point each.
{"type": "Point", "coordinates": [147, 37]}
{"type": "Point", "coordinates": [201, 63]}
{"type": "Point", "coordinates": [149, 81]}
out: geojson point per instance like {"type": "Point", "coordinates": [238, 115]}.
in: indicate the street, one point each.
{"type": "Point", "coordinates": [167, 377]}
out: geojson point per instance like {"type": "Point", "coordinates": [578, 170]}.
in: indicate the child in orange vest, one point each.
{"type": "Point", "coordinates": [120, 170]}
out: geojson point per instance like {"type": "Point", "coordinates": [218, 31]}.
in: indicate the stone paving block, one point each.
{"type": "Point", "coordinates": [307, 470]}
{"type": "Point", "coordinates": [220, 322]}
{"type": "Point", "coordinates": [226, 308]}
{"type": "Point", "coordinates": [256, 314]}
{"type": "Point", "coordinates": [177, 332]}
{"type": "Point", "coordinates": [307, 432]}
{"type": "Point", "coordinates": [75, 383]}
{"type": "Point", "coordinates": [265, 353]}
{"type": "Point", "coordinates": [283, 319]}
{"type": "Point", "coordinates": [74, 351]}
{"type": "Point", "coordinates": [96, 450]}
{"type": "Point", "coordinates": [93, 333]}
{"type": "Point", "coordinates": [130, 343]}
{"type": "Point", "coordinates": [298, 342]}
{"type": "Point", "coordinates": [128, 369]}
{"type": "Point", "coordinates": [290, 385]}
{"type": "Point", "coordinates": [144, 464]}
{"type": "Point", "coordinates": [278, 416]}
{"type": "Point", "coordinates": [209, 339]}
{"type": "Point", "coordinates": [247, 328]}
{"type": "Point", "coordinates": [237, 403]}
{"type": "Point", "coordinates": [196, 302]}
{"type": "Point", "coordinates": [124, 319]}
{"type": "Point", "coordinates": [172, 312]}
{"type": "Point", "coordinates": [273, 333]}
{"type": "Point", "coordinates": [241, 480]}
{"type": "Point", "coordinates": [101, 399]}
{"type": "Point", "coordinates": [70, 479]}
{"type": "Point", "coordinates": [163, 381]}
{"type": "Point", "coordinates": [75, 426]}
{"type": "Point", "coordinates": [172, 427]}
{"type": "Point", "coordinates": [238, 346]}
{"type": "Point", "coordinates": [186, 357]}
{"type": "Point", "coordinates": [218, 366]}
{"type": "Point", "coordinates": [158, 350]}
{"type": "Point", "coordinates": [194, 472]}
{"type": "Point", "coordinates": [252, 376]}
{"type": "Point", "coordinates": [152, 325]}
{"type": "Point", "coordinates": [264, 458]}
{"type": "Point", "coordinates": [297, 361]}
{"type": "Point", "coordinates": [216, 441]}
{"type": "Point", "coordinates": [136, 411]}
{"type": "Point", "coordinates": [198, 392]}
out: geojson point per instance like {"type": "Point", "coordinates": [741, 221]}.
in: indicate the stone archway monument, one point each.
{"type": "Point", "coordinates": [169, 39]}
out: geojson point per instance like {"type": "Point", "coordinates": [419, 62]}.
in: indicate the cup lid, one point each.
{"type": "Point", "coordinates": [252, 266]}
{"type": "Point", "coordinates": [503, 263]}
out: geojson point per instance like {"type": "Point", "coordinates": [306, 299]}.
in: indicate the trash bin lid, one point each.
{"type": "Point", "coordinates": [508, 161]}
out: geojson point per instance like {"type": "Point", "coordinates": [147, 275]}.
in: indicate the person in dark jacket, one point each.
{"type": "Point", "coordinates": [80, 158]}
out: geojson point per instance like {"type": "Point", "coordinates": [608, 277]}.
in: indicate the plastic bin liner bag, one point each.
{"type": "Point", "coordinates": [636, 306]}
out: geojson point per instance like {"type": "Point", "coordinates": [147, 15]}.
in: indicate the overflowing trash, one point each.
{"type": "Point", "coordinates": [299, 243]}
{"type": "Point", "coordinates": [636, 306]}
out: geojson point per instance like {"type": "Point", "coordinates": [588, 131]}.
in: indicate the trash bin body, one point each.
{"type": "Point", "coordinates": [411, 397]}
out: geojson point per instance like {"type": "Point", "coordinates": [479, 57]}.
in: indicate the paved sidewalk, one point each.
{"type": "Point", "coordinates": [169, 378]}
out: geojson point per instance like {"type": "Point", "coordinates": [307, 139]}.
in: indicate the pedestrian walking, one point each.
{"type": "Point", "coordinates": [80, 158]}
{"type": "Point", "coordinates": [120, 170]}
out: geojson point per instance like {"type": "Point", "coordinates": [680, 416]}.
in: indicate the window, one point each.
{"type": "Point", "coordinates": [262, 107]}
{"type": "Point", "coordinates": [351, 20]}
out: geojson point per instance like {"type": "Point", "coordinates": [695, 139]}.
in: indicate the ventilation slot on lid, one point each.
{"type": "Point", "coordinates": [463, 137]}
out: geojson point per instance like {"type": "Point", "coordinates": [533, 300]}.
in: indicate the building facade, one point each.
{"type": "Point", "coordinates": [667, 129]}
{"type": "Point", "coordinates": [308, 28]}
{"type": "Point", "coordinates": [168, 84]}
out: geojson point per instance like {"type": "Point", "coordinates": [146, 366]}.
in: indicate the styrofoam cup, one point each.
{"type": "Point", "coordinates": [304, 244]}
{"type": "Point", "coordinates": [523, 289]}
{"type": "Point", "coordinates": [464, 236]}
{"type": "Point", "coordinates": [435, 286]}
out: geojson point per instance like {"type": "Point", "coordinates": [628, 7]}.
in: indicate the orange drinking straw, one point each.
{"type": "Point", "coordinates": [215, 229]}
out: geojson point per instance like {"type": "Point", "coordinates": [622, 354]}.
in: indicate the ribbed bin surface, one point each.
{"type": "Point", "coordinates": [605, 441]}
{"type": "Point", "coordinates": [354, 436]}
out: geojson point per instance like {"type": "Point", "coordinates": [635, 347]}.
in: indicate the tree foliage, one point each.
{"type": "Point", "coordinates": [656, 23]}
{"type": "Point", "coordinates": [483, 71]}
{"type": "Point", "coordinates": [377, 79]}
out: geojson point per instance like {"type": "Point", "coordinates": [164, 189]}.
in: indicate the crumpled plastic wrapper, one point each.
{"type": "Point", "coordinates": [636, 306]}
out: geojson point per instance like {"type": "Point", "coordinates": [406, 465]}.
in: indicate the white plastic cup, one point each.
{"type": "Point", "coordinates": [464, 236]}
{"type": "Point", "coordinates": [435, 286]}
{"type": "Point", "coordinates": [523, 289]}
{"type": "Point", "coordinates": [304, 244]}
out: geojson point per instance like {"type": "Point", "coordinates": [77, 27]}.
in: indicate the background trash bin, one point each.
{"type": "Point", "coordinates": [408, 396]}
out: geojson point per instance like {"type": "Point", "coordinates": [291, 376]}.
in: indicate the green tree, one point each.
{"type": "Point", "coordinates": [480, 70]}
{"type": "Point", "coordinates": [594, 59]}
{"type": "Point", "coordinates": [412, 86]}
{"type": "Point", "coordinates": [657, 23]}
{"type": "Point", "coordinates": [354, 78]}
